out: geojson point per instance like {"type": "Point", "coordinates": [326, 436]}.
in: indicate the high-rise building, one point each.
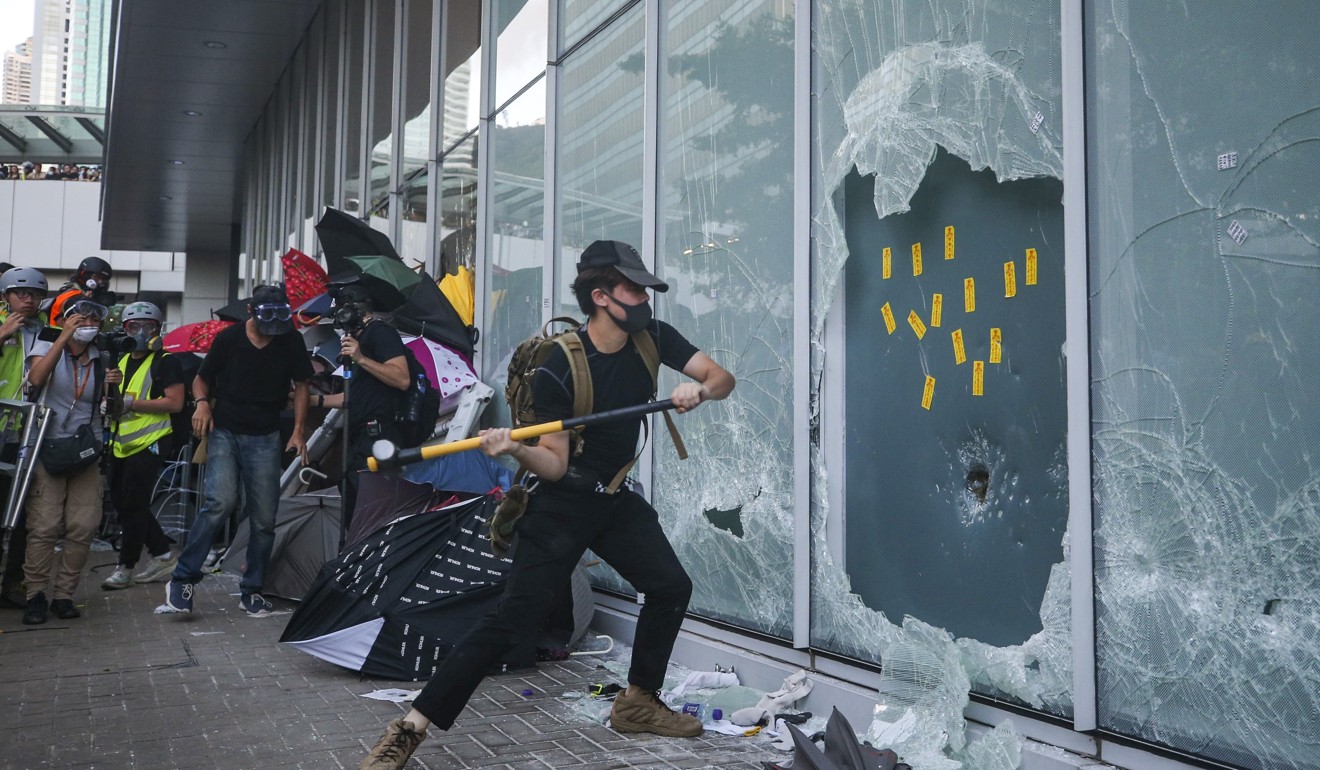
{"type": "Point", "coordinates": [70, 45]}
{"type": "Point", "coordinates": [17, 78]}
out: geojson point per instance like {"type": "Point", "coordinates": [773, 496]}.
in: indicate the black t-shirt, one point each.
{"type": "Point", "coordinates": [251, 385]}
{"type": "Point", "coordinates": [165, 371]}
{"type": "Point", "coordinates": [369, 398]}
{"type": "Point", "coordinates": [617, 380]}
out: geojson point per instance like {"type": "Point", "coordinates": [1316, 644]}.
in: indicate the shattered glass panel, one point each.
{"type": "Point", "coordinates": [924, 116]}
{"type": "Point", "coordinates": [1204, 140]}
{"type": "Point", "coordinates": [726, 251]}
{"type": "Point", "coordinates": [517, 246]}
{"type": "Point", "coordinates": [600, 116]}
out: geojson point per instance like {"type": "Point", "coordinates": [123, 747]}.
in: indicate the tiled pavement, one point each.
{"type": "Point", "coordinates": [121, 687]}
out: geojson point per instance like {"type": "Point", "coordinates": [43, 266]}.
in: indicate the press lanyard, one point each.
{"type": "Point", "coordinates": [79, 387]}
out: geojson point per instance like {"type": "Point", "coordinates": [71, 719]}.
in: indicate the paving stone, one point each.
{"type": "Point", "coordinates": [125, 689]}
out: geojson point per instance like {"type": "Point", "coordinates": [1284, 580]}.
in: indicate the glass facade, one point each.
{"type": "Point", "coordinates": [861, 207]}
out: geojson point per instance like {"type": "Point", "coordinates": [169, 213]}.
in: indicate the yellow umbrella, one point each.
{"type": "Point", "coordinates": [460, 291]}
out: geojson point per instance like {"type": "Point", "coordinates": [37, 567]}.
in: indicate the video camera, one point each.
{"type": "Point", "coordinates": [115, 342]}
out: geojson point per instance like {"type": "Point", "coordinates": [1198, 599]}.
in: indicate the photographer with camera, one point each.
{"type": "Point", "coordinates": [376, 375]}
{"type": "Point", "coordinates": [23, 289]}
{"type": "Point", "coordinates": [150, 384]}
{"type": "Point", "coordinates": [65, 492]}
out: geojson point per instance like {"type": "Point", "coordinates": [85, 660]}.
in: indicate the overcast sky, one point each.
{"type": "Point", "coordinates": [15, 22]}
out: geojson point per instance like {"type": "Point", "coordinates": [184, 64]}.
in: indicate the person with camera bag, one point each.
{"type": "Point", "coordinates": [377, 377]}
{"type": "Point", "coordinates": [247, 372]}
{"type": "Point", "coordinates": [150, 383]}
{"type": "Point", "coordinates": [64, 495]}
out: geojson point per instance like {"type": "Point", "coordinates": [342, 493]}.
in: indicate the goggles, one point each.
{"type": "Point", "coordinates": [146, 325]}
{"type": "Point", "coordinates": [88, 309]}
{"type": "Point", "coordinates": [274, 312]}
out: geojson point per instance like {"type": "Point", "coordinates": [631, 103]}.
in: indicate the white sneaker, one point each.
{"type": "Point", "coordinates": [120, 578]}
{"type": "Point", "coordinates": [159, 568]}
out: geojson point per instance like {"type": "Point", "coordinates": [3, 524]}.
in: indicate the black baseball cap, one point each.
{"type": "Point", "coordinates": [269, 294]}
{"type": "Point", "coordinates": [622, 257]}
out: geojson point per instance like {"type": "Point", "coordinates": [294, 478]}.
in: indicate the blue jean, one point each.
{"type": "Point", "coordinates": [234, 461]}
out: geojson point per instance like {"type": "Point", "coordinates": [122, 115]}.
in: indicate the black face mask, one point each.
{"type": "Point", "coordinates": [635, 317]}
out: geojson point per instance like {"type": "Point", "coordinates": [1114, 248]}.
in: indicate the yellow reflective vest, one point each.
{"type": "Point", "coordinates": [136, 431]}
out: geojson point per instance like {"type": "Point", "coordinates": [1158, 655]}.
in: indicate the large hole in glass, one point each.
{"type": "Point", "coordinates": [956, 503]}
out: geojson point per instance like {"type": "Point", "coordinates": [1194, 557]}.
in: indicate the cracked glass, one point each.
{"type": "Point", "coordinates": [726, 213]}
{"type": "Point", "coordinates": [1204, 147]}
{"type": "Point", "coordinates": [939, 511]}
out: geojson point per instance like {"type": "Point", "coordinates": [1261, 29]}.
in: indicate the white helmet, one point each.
{"type": "Point", "coordinates": [141, 311]}
{"type": "Point", "coordinates": [22, 278]}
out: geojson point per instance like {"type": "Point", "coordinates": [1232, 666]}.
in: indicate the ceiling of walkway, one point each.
{"type": "Point", "coordinates": [190, 80]}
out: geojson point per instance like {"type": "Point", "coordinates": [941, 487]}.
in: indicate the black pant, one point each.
{"type": "Point", "coordinates": [132, 480]}
{"type": "Point", "coordinates": [625, 532]}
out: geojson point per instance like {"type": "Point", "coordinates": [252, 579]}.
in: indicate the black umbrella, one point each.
{"type": "Point", "coordinates": [842, 750]}
{"type": "Point", "coordinates": [306, 537]}
{"type": "Point", "coordinates": [396, 602]}
{"type": "Point", "coordinates": [343, 236]}
{"type": "Point", "coordinates": [234, 311]}
{"type": "Point", "coordinates": [428, 313]}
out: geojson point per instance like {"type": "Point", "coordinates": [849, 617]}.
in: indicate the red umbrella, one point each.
{"type": "Point", "coordinates": [194, 338]}
{"type": "Point", "coordinates": [303, 277]}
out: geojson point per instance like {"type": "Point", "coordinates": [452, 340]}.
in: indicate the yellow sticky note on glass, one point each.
{"type": "Point", "coordinates": [928, 392]}
{"type": "Point", "coordinates": [996, 345]}
{"type": "Point", "coordinates": [916, 259]}
{"type": "Point", "coordinates": [959, 351]}
{"type": "Point", "coordinates": [914, 321]}
{"type": "Point", "coordinates": [1010, 279]}
{"type": "Point", "coordinates": [948, 242]}
{"type": "Point", "coordinates": [886, 263]}
{"type": "Point", "coordinates": [978, 378]}
{"type": "Point", "coordinates": [1031, 267]}
{"type": "Point", "coordinates": [969, 294]}
{"type": "Point", "coordinates": [888, 313]}
{"type": "Point", "coordinates": [936, 309]}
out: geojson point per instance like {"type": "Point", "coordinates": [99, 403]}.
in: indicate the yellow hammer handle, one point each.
{"type": "Point", "coordinates": [432, 451]}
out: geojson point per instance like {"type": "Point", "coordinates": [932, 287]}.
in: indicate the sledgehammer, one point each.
{"type": "Point", "coordinates": [386, 455]}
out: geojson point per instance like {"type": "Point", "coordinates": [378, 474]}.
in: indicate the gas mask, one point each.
{"type": "Point", "coordinates": [146, 341]}
{"type": "Point", "coordinates": [635, 317]}
{"type": "Point", "coordinates": [93, 284]}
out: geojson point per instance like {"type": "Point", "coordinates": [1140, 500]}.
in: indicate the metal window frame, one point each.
{"type": "Point", "coordinates": [483, 220]}
{"type": "Point", "coordinates": [439, 31]}
{"type": "Point", "coordinates": [551, 223]}
{"type": "Point", "coordinates": [398, 105]}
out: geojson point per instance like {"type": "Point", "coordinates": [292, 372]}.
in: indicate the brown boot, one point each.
{"type": "Point", "coordinates": [646, 713]}
{"type": "Point", "coordinates": [394, 748]}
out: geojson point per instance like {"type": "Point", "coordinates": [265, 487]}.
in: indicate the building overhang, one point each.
{"type": "Point", "coordinates": [189, 81]}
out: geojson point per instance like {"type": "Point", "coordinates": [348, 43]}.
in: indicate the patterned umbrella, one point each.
{"type": "Point", "coordinates": [194, 338]}
{"type": "Point", "coordinates": [448, 371]}
{"type": "Point", "coordinates": [304, 278]}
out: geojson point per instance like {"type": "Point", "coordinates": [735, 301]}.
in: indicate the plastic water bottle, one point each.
{"type": "Point", "coordinates": [414, 413]}
{"type": "Point", "coordinates": [703, 712]}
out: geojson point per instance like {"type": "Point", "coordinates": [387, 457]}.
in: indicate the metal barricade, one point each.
{"type": "Point", "coordinates": [34, 421]}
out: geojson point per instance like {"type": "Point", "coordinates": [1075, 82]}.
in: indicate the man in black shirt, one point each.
{"type": "Point", "coordinates": [572, 511]}
{"type": "Point", "coordinates": [247, 372]}
{"type": "Point", "coordinates": [376, 367]}
{"type": "Point", "coordinates": [150, 384]}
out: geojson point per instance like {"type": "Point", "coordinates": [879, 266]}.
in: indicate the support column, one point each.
{"type": "Point", "coordinates": [208, 284]}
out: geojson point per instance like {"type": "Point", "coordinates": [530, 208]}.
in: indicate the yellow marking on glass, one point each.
{"type": "Point", "coordinates": [928, 393]}
{"type": "Point", "coordinates": [969, 295]}
{"type": "Point", "coordinates": [1010, 279]}
{"type": "Point", "coordinates": [1031, 267]}
{"type": "Point", "coordinates": [914, 321]}
{"type": "Point", "coordinates": [888, 313]}
{"type": "Point", "coordinates": [885, 262]}
{"type": "Point", "coordinates": [916, 259]}
{"type": "Point", "coordinates": [959, 351]}
{"type": "Point", "coordinates": [948, 242]}
{"type": "Point", "coordinates": [996, 346]}
{"type": "Point", "coordinates": [978, 378]}
{"type": "Point", "coordinates": [936, 309]}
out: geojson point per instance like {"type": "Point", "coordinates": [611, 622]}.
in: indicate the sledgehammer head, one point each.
{"type": "Point", "coordinates": [384, 454]}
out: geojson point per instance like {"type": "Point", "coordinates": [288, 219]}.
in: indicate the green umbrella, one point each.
{"type": "Point", "coordinates": [386, 279]}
